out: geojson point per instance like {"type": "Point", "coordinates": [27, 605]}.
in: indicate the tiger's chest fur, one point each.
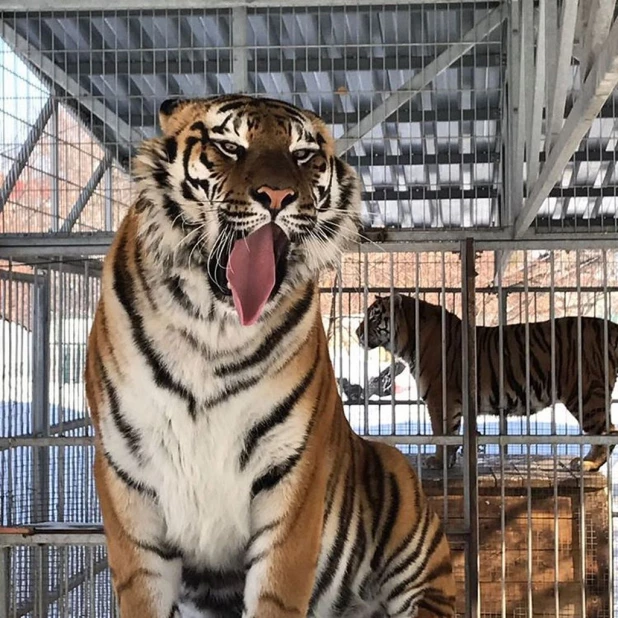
{"type": "Point", "coordinates": [196, 442]}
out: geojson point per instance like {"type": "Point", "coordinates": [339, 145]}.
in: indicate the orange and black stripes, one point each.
{"type": "Point", "coordinates": [230, 481]}
{"type": "Point", "coordinates": [527, 383]}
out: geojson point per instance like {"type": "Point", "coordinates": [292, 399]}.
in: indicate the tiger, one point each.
{"type": "Point", "coordinates": [230, 482]}
{"type": "Point", "coordinates": [432, 378]}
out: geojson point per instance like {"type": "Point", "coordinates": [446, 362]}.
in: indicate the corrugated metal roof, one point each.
{"type": "Point", "coordinates": [434, 163]}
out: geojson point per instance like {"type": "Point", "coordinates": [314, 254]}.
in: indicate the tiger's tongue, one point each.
{"type": "Point", "coordinates": [251, 273]}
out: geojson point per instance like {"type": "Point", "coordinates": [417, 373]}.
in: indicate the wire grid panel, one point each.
{"type": "Point", "coordinates": [546, 531]}
{"type": "Point", "coordinates": [81, 90]}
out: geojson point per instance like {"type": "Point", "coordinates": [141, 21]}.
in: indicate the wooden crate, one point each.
{"type": "Point", "coordinates": [529, 517]}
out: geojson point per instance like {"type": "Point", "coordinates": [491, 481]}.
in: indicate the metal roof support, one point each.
{"type": "Point", "coordinates": [560, 79]}
{"type": "Point", "coordinates": [124, 64]}
{"type": "Point", "coordinates": [240, 55]}
{"type": "Point", "coordinates": [599, 84]}
{"type": "Point", "coordinates": [534, 119]}
{"type": "Point", "coordinates": [86, 194]}
{"type": "Point", "coordinates": [61, 80]}
{"type": "Point", "coordinates": [121, 5]}
{"type": "Point", "coordinates": [25, 151]}
{"type": "Point", "coordinates": [600, 14]}
{"type": "Point", "coordinates": [607, 176]}
{"type": "Point", "coordinates": [424, 77]}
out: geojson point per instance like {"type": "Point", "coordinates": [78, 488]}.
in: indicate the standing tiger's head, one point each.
{"type": "Point", "coordinates": [378, 319]}
{"type": "Point", "coordinates": [250, 190]}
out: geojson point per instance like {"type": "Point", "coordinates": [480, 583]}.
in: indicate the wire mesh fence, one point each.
{"type": "Point", "coordinates": [546, 543]}
{"type": "Point", "coordinates": [415, 96]}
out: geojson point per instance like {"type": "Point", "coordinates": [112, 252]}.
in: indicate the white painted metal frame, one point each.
{"type": "Point", "coordinates": [599, 84]}
{"type": "Point", "coordinates": [423, 78]}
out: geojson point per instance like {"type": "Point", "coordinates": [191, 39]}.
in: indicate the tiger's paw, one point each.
{"type": "Point", "coordinates": [584, 465]}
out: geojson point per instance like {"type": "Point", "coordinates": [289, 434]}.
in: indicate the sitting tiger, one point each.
{"type": "Point", "coordinates": [431, 379]}
{"type": "Point", "coordinates": [230, 481]}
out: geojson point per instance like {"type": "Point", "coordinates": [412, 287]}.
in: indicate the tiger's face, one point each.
{"type": "Point", "coordinates": [228, 166]}
{"type": "Point", "coordinates": [378, 318]}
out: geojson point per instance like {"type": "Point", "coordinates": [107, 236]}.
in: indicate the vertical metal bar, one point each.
{"type": "Point", "coordinates": [240, 52]}
{"type": "Point", "coordinates": [470, 437]}
{"type": "Point", "coordinates": [109, 213]}
{"type": "Point", "coordinates": [5, 581]}
{"type": "Point", "coordinates": [552, 318]}
{"type": "Point", "coordinates": [55, 163]}
{"type": "Point", "coordinates": [608, 408]}
{"type": "Point", "coordinates": [40, 425]}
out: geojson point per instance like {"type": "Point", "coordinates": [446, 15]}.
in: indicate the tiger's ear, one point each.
{"type": "Point", "coordinates": [398, 300]}
{"type": "Point", "coordinates": [171, 116]}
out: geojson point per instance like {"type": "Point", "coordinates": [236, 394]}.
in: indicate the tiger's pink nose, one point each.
{"type": "Point", "coordinates": [274, 199]}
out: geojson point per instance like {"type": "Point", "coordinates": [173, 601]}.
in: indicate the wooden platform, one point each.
{"type": "Point", "coordinates": [529, 519]}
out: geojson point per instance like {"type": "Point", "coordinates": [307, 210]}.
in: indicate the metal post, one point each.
{"type": "Point", "coordinates": [109, 214]}
{"type": "Point", "coordinates": [470, 442]}
{"type": "Point", "coordinates": [55, 161]}
{"type": "Point", "coordinates": [5, 581]}
{"type": "Point", "coordinates": [240, 52]}
{"type": "Point", "coordinates": [40, 428]}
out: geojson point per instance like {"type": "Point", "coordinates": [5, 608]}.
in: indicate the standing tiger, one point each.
{"type": "Point", "coordinates": [229, 479]}
{"type": "Point", "coordinates": [432, 380]}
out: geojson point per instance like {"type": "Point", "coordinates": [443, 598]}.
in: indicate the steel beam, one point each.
{"type": "Point", "coordinates": [171, 5]}
{"type": "Point", "coordinates": [598, 86]}
{"type": "Point", "coordinates": [534, 118]}
{"type": "Point", "coordinates": [31, 247]}
{"type": "Point", "coordinates": [124, 62]}
{"type": "Point", "coordinates": [21, 160]}
{"type": "Point", "coordinates": [59, 78]}
{"type": "Point", "coordinates": [240, 54]}
{"type": "Point", "coordinates": [445, 114]}
{"type": "Point", "coordinates": [86, 194]}
{"type": "Point", "coordinates": [423, 78]}
{"type": "Point", "coordinates": [561, 80]}
{"type": "Point", "coordinates": [600, 15]}
{"type": "Point", "coordinates": [40, 426]}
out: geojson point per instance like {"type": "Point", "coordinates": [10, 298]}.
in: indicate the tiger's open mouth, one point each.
{"type": "Point", "coordinates": [251, 271]}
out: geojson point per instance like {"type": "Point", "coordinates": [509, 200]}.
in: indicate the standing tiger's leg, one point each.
{"type": "Point", "coordinates": [437, 425]}
{"type": "Point", "coordinates": [145, 573]}
{"type": "Point", "coordinates": [594, 424]}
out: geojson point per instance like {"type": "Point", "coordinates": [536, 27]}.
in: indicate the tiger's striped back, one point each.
{"type": "Point", "coordinates": [541, 365]}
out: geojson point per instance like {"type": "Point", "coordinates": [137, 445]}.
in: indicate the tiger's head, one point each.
{"type": "Point", "coordinates": [378, 318]}
{"type": "Point", "coordinates": [251, 190]}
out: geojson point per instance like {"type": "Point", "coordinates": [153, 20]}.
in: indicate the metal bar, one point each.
{"type": "Point", "coordinates": [470, 445]}
{"type": "Point", "coordinates": [511, 176]}
{"type": "Point", "coordinates": [109, 214]}
{"type": "Point", "coordinates": [86, 194]}
{"type": "Point", "coordinates": [50, 250]}
{"type": "Point", "coordinates": [40, 424]}
{"type": "Point", "coordinates": [562, 78]}
{"type": "Point", "coordinates": [169, 5]}
{"type": "Point", "coordinates": [601, 13]}
{"type": "Point", "coordinates": [535, 118]}
{"type": "Point", "coordinates": [55, 171]}
{"type": "Point", "coordinates": [123, 132]}
{"type": "Point", "coordinates": [598, 86]}
{"type": "Point", "coordinates": [21, 160]}
{"type": "Point", "coordinates": [424, 77]}
{"type": "Point", "coordinates": [420, 439]}
{"type": "Point", "coordinates": [5, 580]}
{"type": "Point", "coordinates": [74, 582]}
{"type": "Point", "coordinates": [124, 61]}
{"type": "Point", "coordinates": [442, 114]}
{"type": "Point", "coordinates": [239, 49]}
